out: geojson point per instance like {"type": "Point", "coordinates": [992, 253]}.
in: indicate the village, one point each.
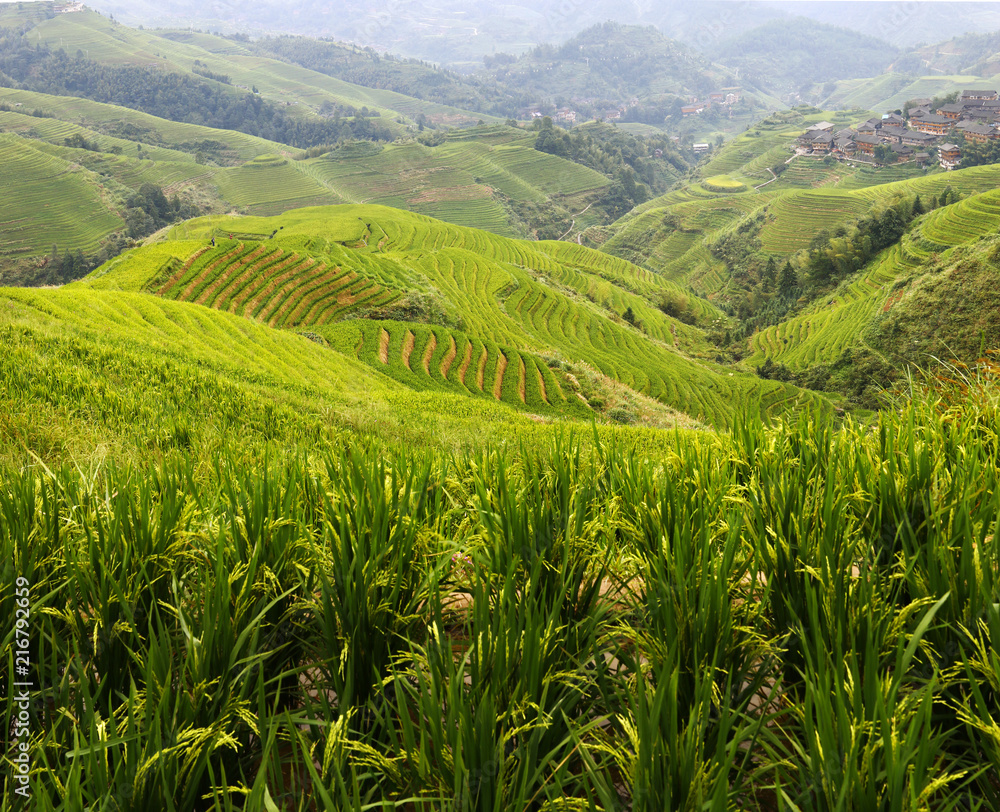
{"type": "Point", "coordinates": [893, 138]}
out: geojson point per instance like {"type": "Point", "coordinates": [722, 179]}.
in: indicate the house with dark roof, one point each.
{"type": "Point", "coordinates": [915, 138]}
{"type": "Point", "coordinates": [823, 142]}
{"type": "Point", "coordinates": [952, 111]}
{"type": "Point", "coordinates": [870, 126]}
{"type": "Point", "coordinates": [949, 155]}
{"type": "Point", "coordinates": [866, 143]}
{"type": "Point", "coordinates": [933, 124]}
{"type": "Point", "coordinates": [978, 94]}
{"type": "Point", "coordinates": [981, 133]}
{"type": "Point", "coordinates": [845, 146]}
{"type": "Point", "coordinates": [893, 133]}
{"type": "Point", "coordinates": [893, 120]}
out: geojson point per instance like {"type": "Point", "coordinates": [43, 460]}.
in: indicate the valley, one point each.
{"type": "Point", "coordinates": [607, 425]}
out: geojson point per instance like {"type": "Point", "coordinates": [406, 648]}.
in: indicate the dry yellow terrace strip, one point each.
{"type": "Point", "coordinates": [428, 352]}
{"type": "Point", "coordinates": [481, 370]}
{"type": "Point", "coordinates": [465, 363]}
{"type": "Point", "coordinates": [408, 344]}
{"type": "Point", "coordinates": [383, 346]}
{"type": "Point", "coordinates": [449, 358]}
{"type": "Point", "coordinates": [501, 369]}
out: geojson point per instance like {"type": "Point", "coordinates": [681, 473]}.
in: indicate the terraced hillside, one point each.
{"type": "Point", "coordinates": [46, 200]}
{"type": "Point", "coordinates": [514, 305]}
{"type": "Point", "coordinates": [670, 234]}
{"type": "Point", "coordinates": [466, 180]}
{"type": "Point", "coordinates": [137, 374]}
{"type": "Point", "coordinates": [892, 90]}
{"type": "Point", "coordinates": [305, 91]}
{"type": "Point", "coordinates": [823, 332]}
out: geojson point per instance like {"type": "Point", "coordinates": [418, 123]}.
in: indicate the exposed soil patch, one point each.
{"type": "Point", "coordinates": [481, 371]}
{"type": "Point", "coordinates": [284, 270]}
{"type": "Point", "coordinates": [432, 343]}
{"type": "Point", "coordinates": [541, 385]}
{"type": "Point", "coordinates": [521, 382]}
{"type": "Point", "coordinates": [249, 264]}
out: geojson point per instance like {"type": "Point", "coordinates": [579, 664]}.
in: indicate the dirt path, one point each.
{"type": "Point", "coordinates": [572, 223]}
{"type": "Point", "coordinates": [522, 382]}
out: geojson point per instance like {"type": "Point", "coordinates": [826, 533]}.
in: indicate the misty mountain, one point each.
{"type": "Point", "coordinates": [785, 54]}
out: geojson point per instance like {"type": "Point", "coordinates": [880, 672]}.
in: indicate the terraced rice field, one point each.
{"type": "Point", "coordinates": [261, 281]}
{"type": "Point", "coordinates": [45, 200]}
{"type": "Point", "coordinates": [530, 299]}
{"type": "Point", "coordinates": [453, 182]}
{"type": "Point", "coordinates": [96, 115]}
{"type": "Point", "coordinates": [800, 215]}
{"type": "Point", "coordinates": [272, 186]}
{"type": "Point", "coordinates": [430, 358]}
{"type": "Point", "coordinates": [821, 335]}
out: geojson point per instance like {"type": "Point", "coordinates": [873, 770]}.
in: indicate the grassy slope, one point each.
{"type": "Point", "coordinates": [457, 181]}
{"type": "Point", "coordinates": [106, 41]}
{"type": "Point", "coordinates": [892, 90]}
{"type": "Point", "coordinates": [893, 289]}
{"type": "Point", "coordinates": [139, 375]}
{"type": "Point", "coordinates": [535, 299]}
{"type": "Point", "coordinates": [669, 234]}
{"type": "Point", "coordinates": [47, 200]}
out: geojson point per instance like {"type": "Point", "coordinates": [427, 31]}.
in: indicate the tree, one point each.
{"type": "Point", "coordinates": [788, 281]}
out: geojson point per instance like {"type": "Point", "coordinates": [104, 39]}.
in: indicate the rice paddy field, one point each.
{"type": "Point", "coordinates": [541, 306]}
{"type": "Point", "coordinates": [823, 332]}
{"type": "Point", "coordinates": [292, 611]}
{"type": "Point", "coordinates": [462, 181]}
{"type": "Point", "coordinates": [46, 200]}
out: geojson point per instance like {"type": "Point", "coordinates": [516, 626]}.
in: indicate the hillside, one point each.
{"type": "Point", "coordinates": [109, 62]}
{"type": "Point", "coordinates": [546, 327]}
{"type": "Point", "coordinates": [781, 255]}
{"type": "Point", "coordinates": [489, 177]}
{"type": "Point", "coordinates": [608, 65]}
{"type": "Point", "coordinates": [783, 55]}
{"type": "Point", "coordinates": [974, 54]}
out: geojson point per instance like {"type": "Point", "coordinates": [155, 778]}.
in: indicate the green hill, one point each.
{"type": "Point", "coordinates": [486, 177]}
{"type": "Point", "coordinates": [46, 201]}
{"type": "Point", "coordinates": [784, 54]}
{"type": "Point", "coordinates": [230, 66]}
{"type": "Point", "coordinates": [930, 298]}
{"type": "Point", "coordinates": [543, 321]}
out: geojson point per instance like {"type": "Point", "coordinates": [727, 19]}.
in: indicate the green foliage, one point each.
{"type": "Point", "coordinates": [706, 626]}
